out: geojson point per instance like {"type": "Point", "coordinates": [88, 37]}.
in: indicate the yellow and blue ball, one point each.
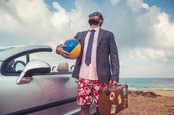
{"type": "Point", "coordinates": [73, 47]}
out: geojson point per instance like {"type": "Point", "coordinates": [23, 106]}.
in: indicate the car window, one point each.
{"type": "Point", "coordinates": [15, 65]}
{"type": "Point", "coordinates": [20, 63]}
{"type": "Point", "coordinates": [9, 67]}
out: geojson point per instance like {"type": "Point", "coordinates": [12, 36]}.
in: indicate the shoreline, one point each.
{"type": "Point", "coordinates": [169, 93]}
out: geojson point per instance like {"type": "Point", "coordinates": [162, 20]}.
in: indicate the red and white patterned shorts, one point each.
{"type": "Point", "coordinates": [88, 91]}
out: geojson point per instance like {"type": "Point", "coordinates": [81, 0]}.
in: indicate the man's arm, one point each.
{"type": "Point", "coordinates": [114, 60]}
{"type": "Point", "coordinates": [62, 52]}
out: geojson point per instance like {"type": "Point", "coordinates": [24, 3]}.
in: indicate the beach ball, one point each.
{"type": "Point", "coordinates": [73, 47]}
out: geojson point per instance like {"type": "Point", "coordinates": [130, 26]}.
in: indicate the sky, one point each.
{"type": "Point", "coordinates": [143, 29]}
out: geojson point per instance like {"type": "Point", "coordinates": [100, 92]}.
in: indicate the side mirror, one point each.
{"type": "Point", "coordinates": [32, 68]}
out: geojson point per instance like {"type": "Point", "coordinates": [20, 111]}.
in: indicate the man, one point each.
{"type": "Point", "coordinates": [98, 64]}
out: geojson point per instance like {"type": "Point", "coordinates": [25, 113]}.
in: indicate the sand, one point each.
{"type": "Point", "coordinates": [164, 92]}
{"type": "Point", "coordinates": [149, 102]}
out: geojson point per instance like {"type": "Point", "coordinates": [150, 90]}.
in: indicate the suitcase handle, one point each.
{"type": "Point", "coordinates": [107, 91]}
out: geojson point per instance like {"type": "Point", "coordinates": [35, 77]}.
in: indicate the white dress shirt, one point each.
{"type": "Point", "coordinates": [90, 72]}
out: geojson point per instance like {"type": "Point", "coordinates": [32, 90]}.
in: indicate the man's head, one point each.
{"type": "Point", "coordinates": [95, 18]}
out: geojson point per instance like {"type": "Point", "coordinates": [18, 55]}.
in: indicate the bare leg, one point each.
{"type": "Point", "coordinates": [97, 111]}
{"type": "Point", "coordinates": [85, 110]}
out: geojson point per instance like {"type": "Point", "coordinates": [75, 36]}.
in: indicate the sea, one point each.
{"type": "Point", "coordinates": [148, 83]}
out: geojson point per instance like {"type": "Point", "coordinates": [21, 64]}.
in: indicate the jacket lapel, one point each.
{"type": "Point", "coordinates": [83, 38]}
{"type": "Point", "coordinates": [101, 33]}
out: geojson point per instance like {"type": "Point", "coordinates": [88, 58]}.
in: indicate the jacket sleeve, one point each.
{"type": "Point", "coordinates": [114, 59]}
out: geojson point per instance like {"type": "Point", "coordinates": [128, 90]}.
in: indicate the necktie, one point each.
{"type": "Point", "coordinates": [89, 48]}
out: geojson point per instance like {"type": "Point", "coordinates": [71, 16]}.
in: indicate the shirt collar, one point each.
{"type": "Point", "coordinates": [96, 29]}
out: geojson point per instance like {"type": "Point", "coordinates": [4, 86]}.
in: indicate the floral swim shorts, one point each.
{"type": "Point", "coordinates": [88, 91]}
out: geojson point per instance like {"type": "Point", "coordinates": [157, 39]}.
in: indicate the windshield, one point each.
{"type": "Point", "coordinates": [5, 48]}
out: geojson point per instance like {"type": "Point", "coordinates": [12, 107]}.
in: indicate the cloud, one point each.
{"type": "Point", "coordinates": [16, 14]}
{"type": "Point", "coordinates": [31, 22]}
{"type": "Point", "coordinates": [164, 32]}
{"type": "Point", "coordinates": [23, 21]}
{"type": "Point", "coordinates": [114, 2]}
{"type": "Point", "coordinates": [141, 32]}
{"type": "Point", "coordinates": [144, 32]}
{"type": "Point", "coordinates": [151, 54]}
{"type": "Point", "coordinates": [61, 17]}
{"type": "Point", "coordinates": [135, 23]}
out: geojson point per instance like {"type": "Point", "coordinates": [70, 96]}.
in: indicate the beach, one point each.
{"type": "Point", "coordinates": [149, 102]}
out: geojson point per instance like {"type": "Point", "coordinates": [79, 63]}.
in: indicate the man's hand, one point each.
{"type": "Point", "coordinates": [113, 82]}
{"type": "Point", "coordinates": [62, 52]}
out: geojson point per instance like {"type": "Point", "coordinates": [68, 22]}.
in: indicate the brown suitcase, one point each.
{"type": "Point", "coordinates": [113, 99]}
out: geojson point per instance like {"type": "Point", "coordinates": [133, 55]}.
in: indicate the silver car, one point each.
{"type": "Point", "coordinates": [32, 83]}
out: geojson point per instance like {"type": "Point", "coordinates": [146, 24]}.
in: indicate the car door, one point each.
{"type": "Point", "coordinates": [52, 93]}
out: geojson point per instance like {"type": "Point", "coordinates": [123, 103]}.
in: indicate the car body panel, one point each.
{"type": "Point", "coordinates": [43, 89]}
{"type": "Point", "coordinates": [52, 92]}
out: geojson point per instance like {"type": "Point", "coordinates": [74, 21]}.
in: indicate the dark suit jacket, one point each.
{"type": "Point", "coordinates": [107, 62]}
